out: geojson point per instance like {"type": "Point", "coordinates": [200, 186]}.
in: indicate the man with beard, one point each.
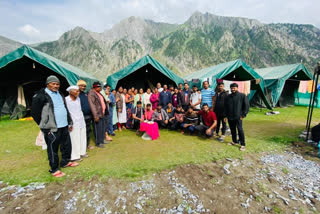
{"type": "Point", "coordinates": [236, 108]}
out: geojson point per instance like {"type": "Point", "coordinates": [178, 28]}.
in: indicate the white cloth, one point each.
{"type": "Point", "coordinates": [78, 138]}
{"type": "Point", "coordinates": [21, 99]}
{"type": "Point", "coordinates": [75, 111]}
{"type": "Point", "coordinates": [72, 87]}
{"type": "Point", "coordinates": [122, 116]}
{"type": "Point", "coordinates": [160, 90]}
{"type": "Point", "coordinates": [195, 97]}
{"type": "Point", "coordinates": [146, 99]}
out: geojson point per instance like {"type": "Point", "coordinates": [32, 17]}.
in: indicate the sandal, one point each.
{"type": "Point", "coordinates": [232, 144]}
{"type": "Point", "coordinates": [71, 164]}
{"type": "Point", "coordinates": [58, 174]}
{"type": "Point", "coordinates": [242, 148]}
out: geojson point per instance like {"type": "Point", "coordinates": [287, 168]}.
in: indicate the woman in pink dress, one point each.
{"type": "Point", "coordinates": [154, 99]}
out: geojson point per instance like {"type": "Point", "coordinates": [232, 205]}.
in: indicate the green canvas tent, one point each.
{"type": "Point", "coordinates": [282, 82]}
{"type": "Point", "coordinates": [144, 73]}
{"type": "Point", "coordinates": [236, 70]}
{"type": "Point", "coordinates": [24, 71]}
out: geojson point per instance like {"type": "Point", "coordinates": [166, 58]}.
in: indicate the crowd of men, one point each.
{"type": "Point", "coordinates": [66, 121]}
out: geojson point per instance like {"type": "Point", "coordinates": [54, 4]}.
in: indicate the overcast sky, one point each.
{"type": "Point", "coordinates": [31, 21]}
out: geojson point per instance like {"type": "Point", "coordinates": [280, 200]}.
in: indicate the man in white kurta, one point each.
{"type": "Point", "coordinates": [78, 134]}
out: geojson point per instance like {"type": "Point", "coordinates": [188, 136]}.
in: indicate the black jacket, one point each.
{"type": "Point", "coordinates": [236, 105]}
{"type": "Point", "coordinates": [39, 100]}
{"type": "Point", "coordinates": [181, 97]}
{"type": "Point", "coordinates": [219, 103]}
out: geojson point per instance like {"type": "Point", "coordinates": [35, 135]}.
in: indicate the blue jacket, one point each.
{"type": "Point", "coordinates": [112, 100]}
{"type": "Point", "coordinates": [165, 97]}
{"type": "Point", "coordinates": [84, 104]}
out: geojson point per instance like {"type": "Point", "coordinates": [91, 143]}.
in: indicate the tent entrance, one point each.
{"type": "Point", "coordinates": [145, 77]}
{"type": "Point", "coordinates": [287, 95]}
{"type": "Point", "coordinates": [30, 75]}
{"type": "Point", "coordinates": [239, 74]}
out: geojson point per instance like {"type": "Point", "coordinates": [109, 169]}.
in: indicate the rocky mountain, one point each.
{"type": "Point", "coordinates": [7, 45]}
{"type": "Point", "coordinates": [203, 40]}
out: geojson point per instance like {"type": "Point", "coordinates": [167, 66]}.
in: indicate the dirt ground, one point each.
{"type": "Point", "coordinates": [263, 183]}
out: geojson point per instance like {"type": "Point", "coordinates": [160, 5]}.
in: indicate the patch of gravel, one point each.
{"type": "Point", "coordinates": [299, 176]}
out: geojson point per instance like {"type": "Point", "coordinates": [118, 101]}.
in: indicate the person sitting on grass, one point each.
{"type": "Point", "coordinates": [50, 112]}
{"type": "Point", "coordinates": [137, 116]}
{"type": "Point", "coordinates": [170, 111]}
{"type": "Point", "coordinates": [160, 116]}
{"type": "Point", "coordinates": [148, 113]}
{"type": "Point", "coordinates": [178, 118]}
{"type": "Point", "coordinates": [78, 134]}
{"type": "Point", "coordinates": [209, 121]}
{"type": "Point", "coordinates": [236, 108]}
{"type": "Point", "coordinates": [190, 120]}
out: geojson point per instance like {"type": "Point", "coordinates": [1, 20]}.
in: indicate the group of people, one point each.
{"type": "Point", "coordinates": [66, 121]}
{"type": "Point", "coordinates": [203, 112]}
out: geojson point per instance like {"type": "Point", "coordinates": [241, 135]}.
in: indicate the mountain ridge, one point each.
{"type": "Point", "coordinates": [203, 40]}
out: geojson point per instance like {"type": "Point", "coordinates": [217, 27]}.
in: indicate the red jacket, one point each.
{"type": "Point", "coordinates": [208, 118]}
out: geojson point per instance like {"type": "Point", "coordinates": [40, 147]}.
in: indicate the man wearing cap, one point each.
{"type": "Point", "coordinates": [49, 111]}
{"type": "Point", "coordinates": [78, 134]}
{"type": "Point", "coordinates": [85, 109]}
{"type": "Point", "coordinates": [98, 106]}
{"type": "Point", "coordinates": [236, 108]}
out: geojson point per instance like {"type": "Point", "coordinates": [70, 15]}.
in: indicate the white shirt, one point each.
{"type": "Point", "coordinates": [160, 90]}
{"type": "Point", "coordinates": [195, 97]}
{"type": "Point", "coordinates": [146, 98]}
{"type": "Point", "coordinates": [74, 107]}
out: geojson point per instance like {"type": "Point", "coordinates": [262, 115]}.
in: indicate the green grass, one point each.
{"type": "Point", "coordinates": [128, 156]}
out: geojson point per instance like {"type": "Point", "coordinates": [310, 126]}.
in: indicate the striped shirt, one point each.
{"type": "Point", "coordinates": [207, 95]}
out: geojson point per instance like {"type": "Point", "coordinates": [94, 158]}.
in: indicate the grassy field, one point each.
{"type": "Point", "coordinates": [128, 156]}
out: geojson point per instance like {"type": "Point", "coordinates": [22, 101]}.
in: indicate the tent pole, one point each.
{"type": "Point", "coordinates": [311, 98]}
{"type": "Point", "coordinates": [316, 73]}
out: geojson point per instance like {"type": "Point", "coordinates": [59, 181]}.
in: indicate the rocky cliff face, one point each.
{"type": "Point", "coordinates": [203, 40]}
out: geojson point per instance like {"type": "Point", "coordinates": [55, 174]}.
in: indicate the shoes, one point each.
{"type": "Point", "coordinates": [100, 146]}
{"type": "Point", "coordinates": [105, 142]}
{"type": "Point", "coordinates": [85, 156]}
{"type": "Point", "coordinates": [113, 134]}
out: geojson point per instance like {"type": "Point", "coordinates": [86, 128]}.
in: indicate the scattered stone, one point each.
{"type": "Point", "coordinates": [226, 169]}
{"type": "Point", "coordinates": [270, 196]}
{"type": "Point", "coordinates": [229, 159]}
{"type": "Point", "coordinates": [268, 209]}
{"type": "Point", "coordinates": [138, 206]}
{"type": "Point", "coordinates": [57, 196]}
{"type": "Point", "coordinates": [28, 194]}
{"type": "Point", "coordinates": [18, 208]}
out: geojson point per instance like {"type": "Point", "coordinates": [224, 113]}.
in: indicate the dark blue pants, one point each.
{"type": "Point", "coordinates": [201, 129]}
{"type": "Point", "coordinates": [99, 131]}
{"type": "Point", "coordinates": [110, 125]}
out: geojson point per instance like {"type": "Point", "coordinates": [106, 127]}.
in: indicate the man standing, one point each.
{"type": "Point", "coordinates": [184, 97]}
{"type": "Point", "coordinates": [159, 87]}
{"type": "Point", "coordinates": [105, 93]}
{"type": "Point", "coordinates": [138, 116]}
{"type": "Point", "coordinates": [165, 96]}
{"type": "Point", "coordinates": [236, 108]}
{"type": "Point", "coordinates": [209, 121]}
{"type": "Point", "coordinates": [78, 133]}
{"type": "Point", "coordinates": [98, 105]}
{"type": "Point", "coordinates": [85, 109]}
{"type": "Point", "coordinates": [49, 111]}
{"type": "Point", "coordinates": [219, 110]}
{"type": "Point", "coordinates": [207, 94]}
{"type": "Point", "coordinates": [160, 116]}
{"type": "Point", "coordinates": [195, 99]}
{"type": "Point", "coordinates": [112, 103]}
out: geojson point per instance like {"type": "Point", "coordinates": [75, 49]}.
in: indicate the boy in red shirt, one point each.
{"type": "Point", "coordinates": [209, 121]}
